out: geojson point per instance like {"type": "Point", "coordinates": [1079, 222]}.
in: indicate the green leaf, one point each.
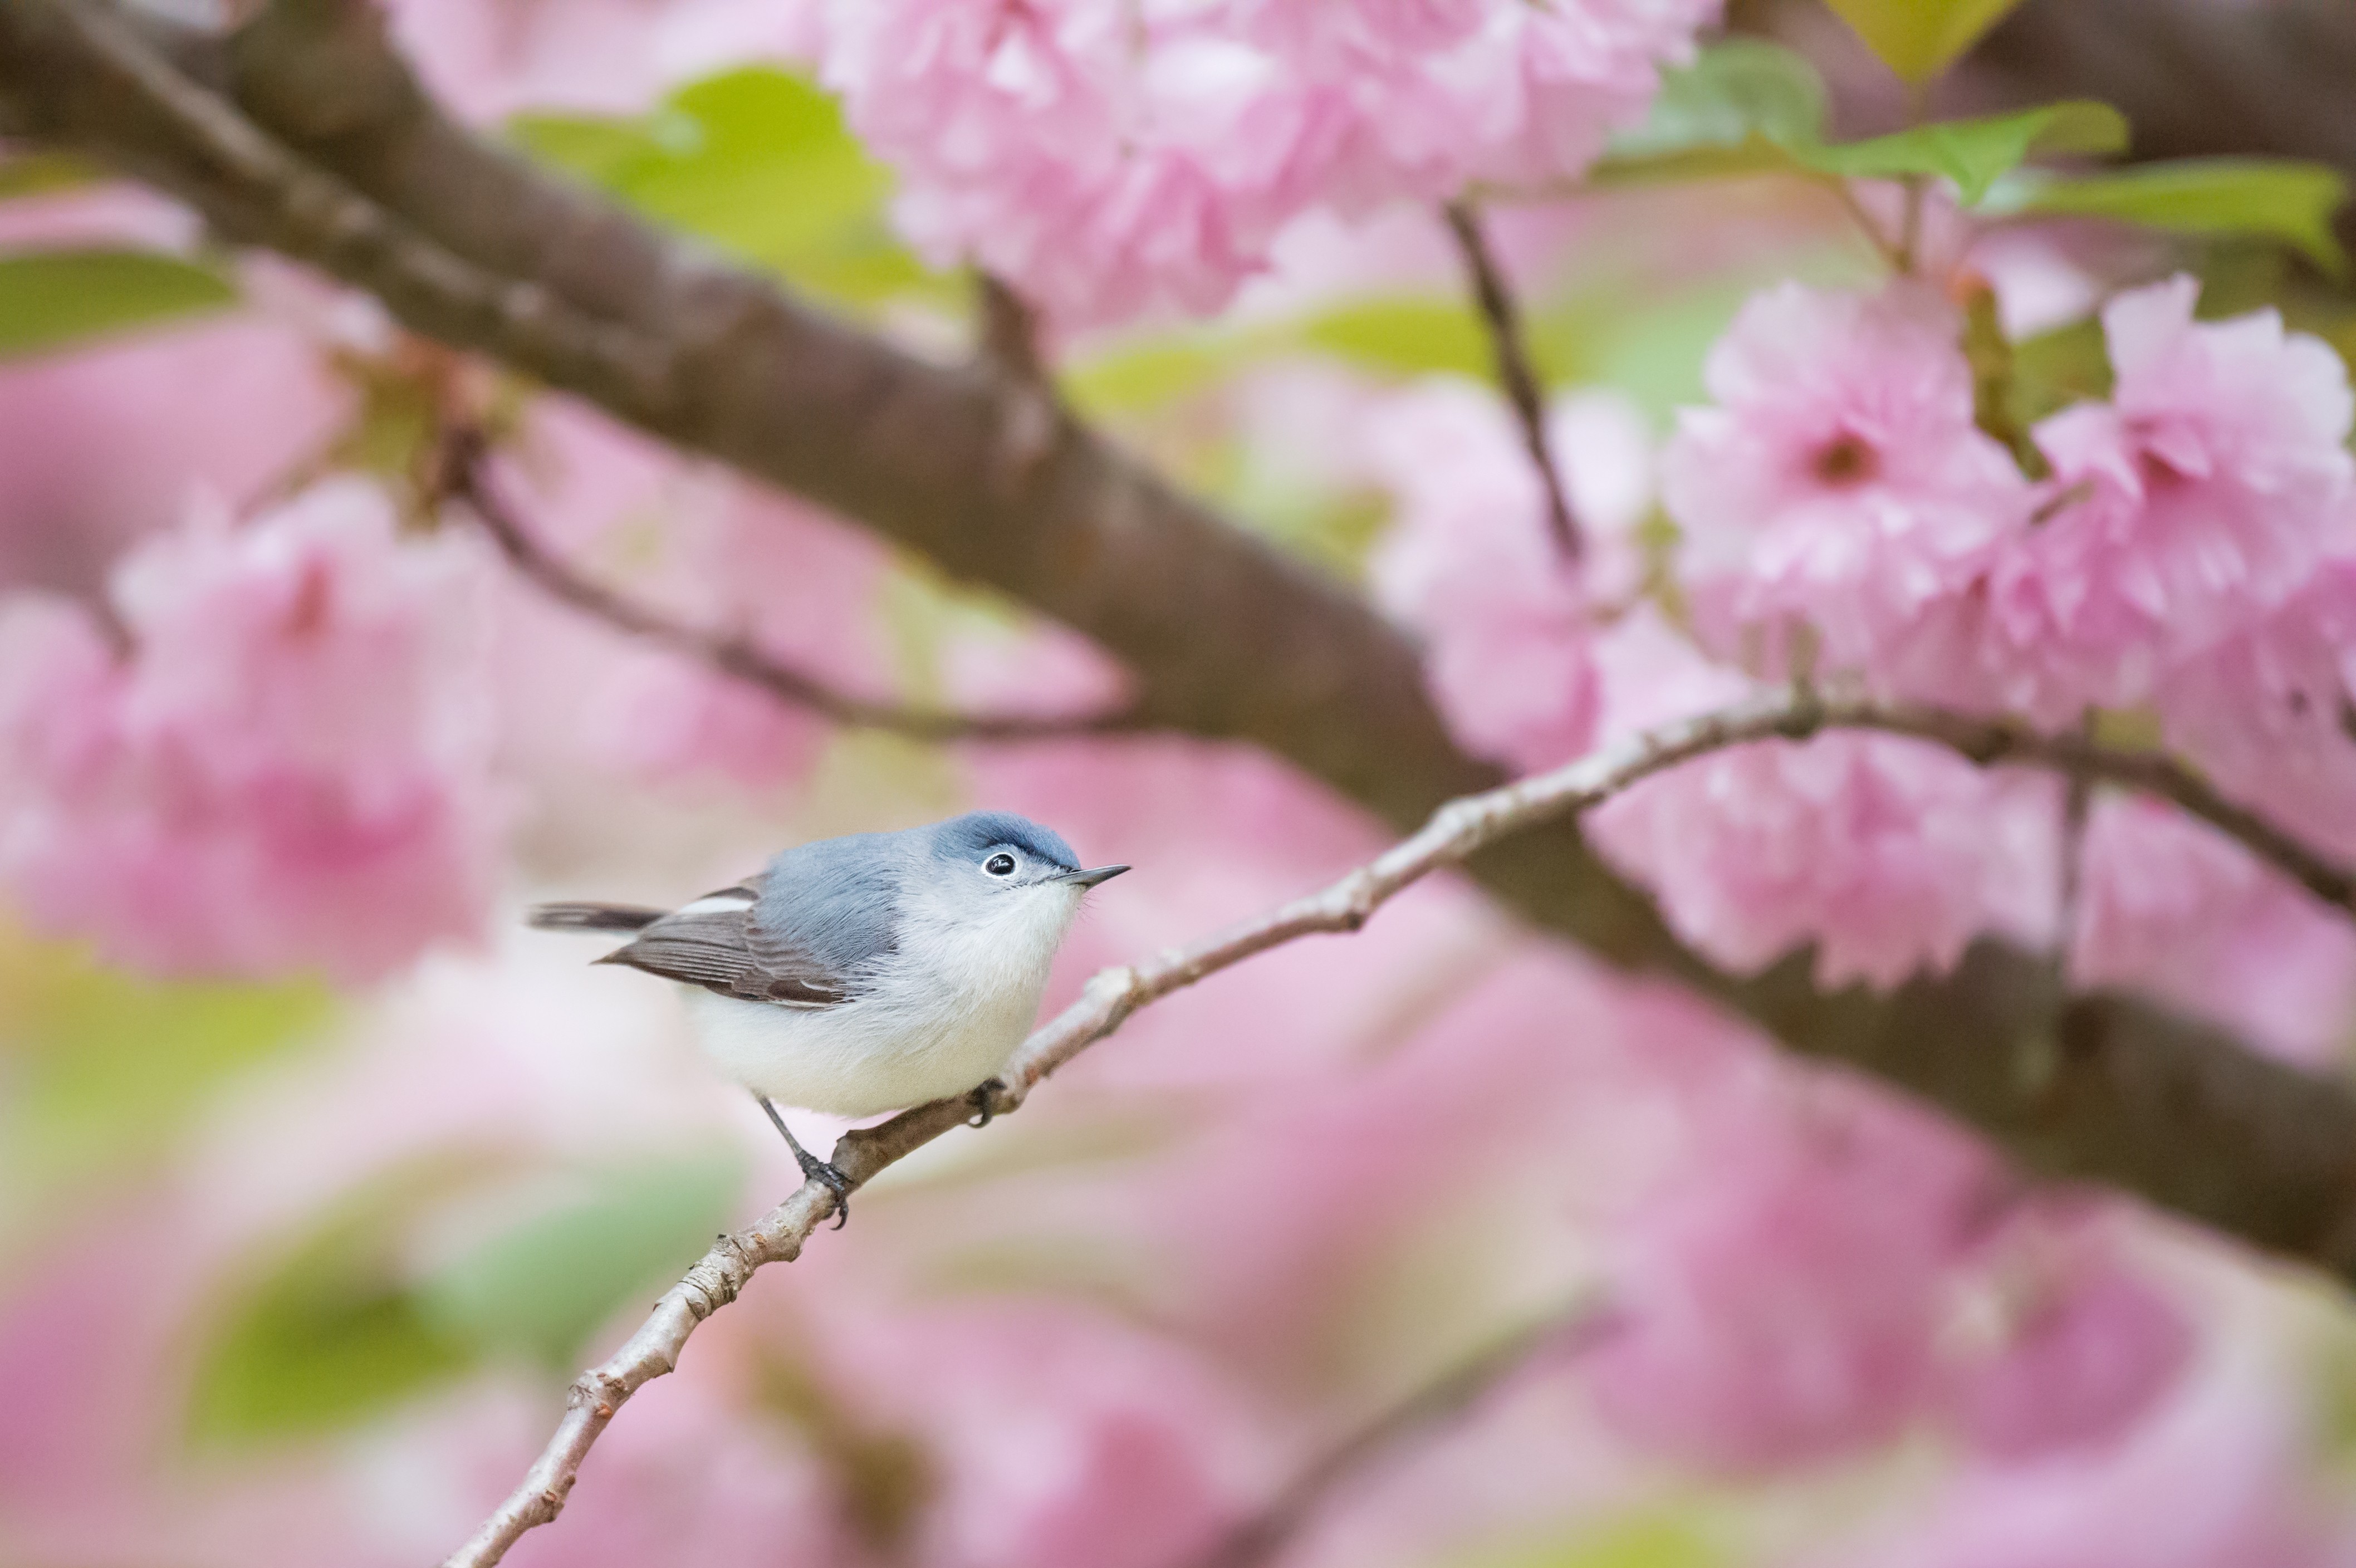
{"type": "Point", "coordinates": [51, 298]}
{"type": "Point", "coordinates": [1156, 369]}
{"type": "Point", "coordinates": [2277, 199]}
{"type": "Point", "coordinates": [1734, 90]}
{"type": "Point", "coordinates": [1974, 152]}
{"type": "Point", "coordinates": [1648, 1537]}
{"type": "Point", "coordinates": [103, 1065]}
{"type": "Point", "coordinates": [330, 1334]}
{"type": "Point", "coordinates": [1403, 335]}
{"type": "Point", "coordinates": [544, 1286]}
{"type": "Point", "coordinates": [758, 162]}
{"type": "Point", "coordinates": [1920, 39]}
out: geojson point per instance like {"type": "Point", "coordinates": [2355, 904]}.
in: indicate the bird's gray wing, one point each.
{"type": "Point", "coordinates": [715, 942]}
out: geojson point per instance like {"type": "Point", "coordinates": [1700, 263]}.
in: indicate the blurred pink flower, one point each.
{"type": "Point", "coordinates": [287, 772]}
{"type": "Point", "coordinates": [1059, 1437]}
{"type": "Point", "coordinates": [1108, 158]}
{"type": "Point", "coordinates": [2207, 1481]}
{"type": "Point", "coordinates": [2214, 483]}
{"type": "Point", "coordinates": [2172, 907]}
{"type": "Point", "coordinates": [2091, 1346]}
{"type": "Point", "coordinates": [491, 58]}
{"type": "Point", "coordinates": [1840, 479]}
{"type": "Point", "coordinates": [711, 550]}
{"type": "Point", "coordinates": [1469, 564]}
{"type": "Point", "coordinates": [112, 442]}
{"type": "Point", "coordinates": [1890, 853]}
{"type": "Point", "coordinates": [2266, 713]}
{"type": "Point", "coordinates": [1779, 1298]}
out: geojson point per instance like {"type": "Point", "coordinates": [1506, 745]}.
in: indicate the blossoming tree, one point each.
{"type": "Point", "coordinates": [1849, 591]}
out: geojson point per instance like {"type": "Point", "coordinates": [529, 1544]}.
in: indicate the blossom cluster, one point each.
{"type": "Point", "coordinates": [287, 769]}
{"type": "Point", "coordinates": [1107, 157]}
{"type": "Point", "coordinates": [2183, 560]}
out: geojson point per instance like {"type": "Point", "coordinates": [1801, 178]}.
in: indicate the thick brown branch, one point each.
{"type": "Point", "coordinates": [1455, 832]}
{"type": "Point", "coordinates": [319, 143]}
{"type": "Point", "coordinates": [465, 477]}
{"type": "Point", "coordinates": [1515, 375]}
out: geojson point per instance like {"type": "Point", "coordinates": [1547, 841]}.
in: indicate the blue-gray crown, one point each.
{"type": "Point", "coordinates": [966, 837]}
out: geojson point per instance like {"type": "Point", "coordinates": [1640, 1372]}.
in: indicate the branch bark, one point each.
{"type": "Point", "coordinates": [1518, 378]}
{"type": "Point", "coordinates": [314, 140]}
{"type": "Point", "coordinates": [2069, 1032]}
{"type": "Point", "coordinates": [465, 478]}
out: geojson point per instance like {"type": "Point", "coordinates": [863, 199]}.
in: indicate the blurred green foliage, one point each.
{"type": "Point", "coordinates": [1733, 90]}
{"type": "Point", "coordinates": [52, 298]}
{"type": "Point", "coordinates": [1746, 108]}
{"type": "Point", "coordinates": [2281, 199]}
{"type": "Point", "coordinates": [101, 1067]}
{"type": "Point", "coordinates": [1972, 152]}
{"type": "Point", "coordinates": [336, 1327]}
{"type": "Point", "coordinates": [328, 1333]}
{"type": "Point", "coordinates": [758, 162]}
{"type": "Point", "coordinates": [542, 1286]}
{"type": "Point", "coordinates": [1655, 1537]}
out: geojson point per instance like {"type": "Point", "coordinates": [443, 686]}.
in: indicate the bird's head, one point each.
{"type": "Point", "coordinates": [995, 855]}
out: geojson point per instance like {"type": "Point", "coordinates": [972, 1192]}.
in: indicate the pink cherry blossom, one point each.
{"type": "Point", "coordinates": [1470, 565]}
{"type": "Point", "coordinates": [2090, 1346]}
{"type": "Point", "coordinates": [1890, 853]}
{"type": "Point", "coordinates": [1061, 1437]}
{"type": "Point", "coordinates": [2266, 713]}
{"type": "Point", "coordinates": [1837, 478]}
{"type": "Point", "coordinates": [2207, 1481]}
{"type": "Point", "coordinates": [1110, 158]}
{"type": "Point", "coordinates": [1779, 1298]}
{"type": "Point", "coordinates": [2205, 493]}
{"type": "Point", "coordinates": [110, 443]}
{"type": "Point", "coordinates": [2171, 906]}
{"type": "Point", "coordinates": [288, 769]}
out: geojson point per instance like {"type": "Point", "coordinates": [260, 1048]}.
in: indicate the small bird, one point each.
{"type": "Point", "coordinates": [865, 974]}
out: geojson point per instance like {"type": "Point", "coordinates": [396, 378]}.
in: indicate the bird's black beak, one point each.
{"type": "Point", "coordinates": [1090, 878]}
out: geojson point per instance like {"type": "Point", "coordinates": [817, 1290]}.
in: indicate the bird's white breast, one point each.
{"type": "Point", "coordinates": [934, 1018]}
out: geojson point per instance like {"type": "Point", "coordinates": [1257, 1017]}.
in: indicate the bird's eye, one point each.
{"type": "Point", "coordinates": [999, 865]}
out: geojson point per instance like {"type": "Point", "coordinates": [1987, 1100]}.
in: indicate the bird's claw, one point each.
{"type": "Point", "coordinates": [830, 1176]}
{"type": "Point", "coordinates": [984, 1099]}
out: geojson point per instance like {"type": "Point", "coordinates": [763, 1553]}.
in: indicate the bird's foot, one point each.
{"type": "Point", "coordinates": [984, 1099]}
{"type": "Point", "coordinates": [830, 1176]}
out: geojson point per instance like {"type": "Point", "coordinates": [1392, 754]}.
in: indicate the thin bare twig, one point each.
{"type": "Point", "coordinates": [1455, 831]}
{"type": "Point", "coordinates": [1991, 741]}
{"type": "Point", "coordinates": [1445, 1399]}
{"type": "Point", "coordinates": [465, 477]}
{"type": "Point", "coordinates": [1515, 373]}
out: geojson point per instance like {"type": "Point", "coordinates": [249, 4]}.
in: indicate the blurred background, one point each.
{"type": "Point", "coordinates": [323, 1177]}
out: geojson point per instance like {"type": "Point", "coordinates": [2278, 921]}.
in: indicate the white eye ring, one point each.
{"type": "Point", "coordinates": [1000, 865]}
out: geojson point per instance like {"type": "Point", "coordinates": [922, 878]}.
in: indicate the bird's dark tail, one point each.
{"type": "Point", "coordinates": [590, 916]}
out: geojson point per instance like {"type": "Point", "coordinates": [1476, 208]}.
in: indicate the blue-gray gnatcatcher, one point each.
{"type": "Point", "coordinates": [865, 974]}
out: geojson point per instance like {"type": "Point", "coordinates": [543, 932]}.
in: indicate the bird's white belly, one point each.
{"type": "Point", "coordinates": [862, 1058]}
